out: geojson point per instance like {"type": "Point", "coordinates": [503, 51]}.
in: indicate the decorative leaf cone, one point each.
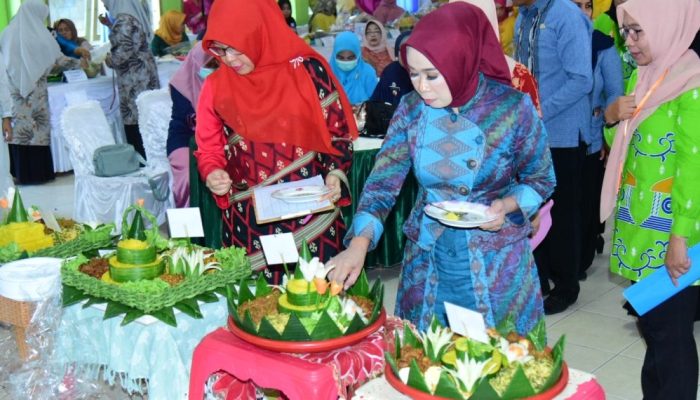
{"type": "Point", "coordinates": [450, 387]}
{"type": "Point", "coordinates": [17, 213]}
{"type": "Point", "coordinates": [304, 252]}
{"type": "Point", "coordinates": [137, 228]}
{"type": "Point", "coordinates": [295, 328]}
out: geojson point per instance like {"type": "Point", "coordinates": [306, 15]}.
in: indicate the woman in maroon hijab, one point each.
{"type": "Point", "coordinates": [473, 140]}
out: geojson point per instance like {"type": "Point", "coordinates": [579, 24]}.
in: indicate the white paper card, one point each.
{"type": "Point", "coordinates": [50, 221]}
{"type": "Point", "coordinates": [466, 322]}
{"type": "Point", "coordinates": [185, 222]}
{"type": "Point", "coordinates": [279, 249]}
{"type": "Point", "coordinates": [75, 75]}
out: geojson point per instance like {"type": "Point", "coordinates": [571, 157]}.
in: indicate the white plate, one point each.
{"type": "Point", "coordinates": [471, 214]}
{"type": "Point", "coordinates": [31, 279]}
{"type": "Point", "coordinates": [301, 194]}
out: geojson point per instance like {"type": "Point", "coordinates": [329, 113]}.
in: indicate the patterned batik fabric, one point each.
{"type": "Point", "coordinates": [659, 192]}
{"type": "Point", "coordinates": [250, 163]}
{"type": "Point", "coordinates": [133, 63]}
{"type": "Point", "coordinates": [495, 147]}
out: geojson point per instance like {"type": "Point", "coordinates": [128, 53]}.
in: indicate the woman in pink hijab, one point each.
{"type": "Point", "coordinates": [375, 48]}
{"type": "Point", "coordinates": [185, 86]}
{"type": "Point", "coordinates": [652, 180]}
{"type": "Point", "coordinates": [388, 11]}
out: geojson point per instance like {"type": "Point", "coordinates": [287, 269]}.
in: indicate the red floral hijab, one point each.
{"type": "Point", "coordinates": [459, 41]}
{"type": "Point", "coordinates": [277, 102]}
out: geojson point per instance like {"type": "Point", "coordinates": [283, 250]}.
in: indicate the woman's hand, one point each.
{"type": "Point", "coordinates": [498, 210]}
{"type": "Point", "coordinates": [348, 263]}
{"type": "Point", "coordinates": [83, 53]}
{"type": "Point", "coordinates": [620, 110]}
{"type": "Point", "coordinates": [219, 182]}
{"type": "Point", "coordinates": [333, 185]}
{"type": "Point", "coordinates": [677, 261]}
{"type": "Point", "coordinates": [7, 129]}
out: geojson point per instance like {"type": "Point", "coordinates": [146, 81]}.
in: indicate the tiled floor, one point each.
{"type": "Point", "coordinates": [601, 338]}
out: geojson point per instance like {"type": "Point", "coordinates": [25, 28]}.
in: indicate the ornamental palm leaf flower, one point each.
{"type": "Point", "coordinates": [436, 340]}
{"type": "Point", "coordinates": [190, 262]}
{"type": "Point", "coordinates": [468, 371]}
{"type": "Point", "coordinates": [313, 269]}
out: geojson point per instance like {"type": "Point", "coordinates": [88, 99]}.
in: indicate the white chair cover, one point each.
{"type": "Point", "coordinates": [101, 199]}
{"type": "Point", "coordinates": [5, 177]}
{"type": "Point", "coordinates": [155, 108]}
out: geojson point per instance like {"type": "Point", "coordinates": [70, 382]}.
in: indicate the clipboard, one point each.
{"type": "Point", "coordinates": [269, 209]}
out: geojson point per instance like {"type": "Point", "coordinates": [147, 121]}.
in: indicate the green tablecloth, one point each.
{"type": "Point", "coordinates": [389, 250]}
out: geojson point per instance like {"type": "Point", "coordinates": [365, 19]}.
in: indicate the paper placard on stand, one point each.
{"type": "Point", "coordinates": [75, 75]}
{"type": "Point", "coordinates": [185, 222]}
{"type": "Point", "coordinates": [279, 249]}
{"type": "Point", "coordinates": [466, 322]}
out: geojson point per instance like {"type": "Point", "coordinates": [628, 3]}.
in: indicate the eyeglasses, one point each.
{"type": "Point", "coordinates": [223, 51]}
{"type": "Point", "coordinates": [632, 33]}
{"type": "Point", "coordinates": [377, 32]}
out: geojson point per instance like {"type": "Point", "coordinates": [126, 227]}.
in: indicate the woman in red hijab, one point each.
{"type": "Point", "coordinates": [474, 143]}
{"type": "Point", "coordinates": [273, 112]}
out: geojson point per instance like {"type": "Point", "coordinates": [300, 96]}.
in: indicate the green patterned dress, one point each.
{"type": "Point", "coordinates": [660, 190]}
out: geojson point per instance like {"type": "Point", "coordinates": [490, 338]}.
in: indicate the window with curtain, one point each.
{"type": "Point", "coordinates": [84, 14]}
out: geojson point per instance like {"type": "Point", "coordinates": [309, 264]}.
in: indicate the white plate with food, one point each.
{"type": "Point", "coordinates": [301, 194]}
{"type": "Point", "coordinates": [459, 214]}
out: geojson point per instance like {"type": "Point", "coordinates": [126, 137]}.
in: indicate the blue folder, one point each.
{"type": "Point", "coordinates": [658, 287]}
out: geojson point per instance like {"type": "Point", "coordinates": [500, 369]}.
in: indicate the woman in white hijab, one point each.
{"type": "Point", "coordinates": [131, 58]}
{"type": "Point", "coordinates": [28, 54]}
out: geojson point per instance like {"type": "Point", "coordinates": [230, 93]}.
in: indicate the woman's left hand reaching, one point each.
{"type": "Point", "coordinates": [677, 261]}
{"type": "Point", "coordinates": [333, 184]}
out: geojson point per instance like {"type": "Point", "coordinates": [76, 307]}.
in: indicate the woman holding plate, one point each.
{"type": "Point", "coordinates": [272, 112]}
{"type": "Point", "coordinates": [469, 137]}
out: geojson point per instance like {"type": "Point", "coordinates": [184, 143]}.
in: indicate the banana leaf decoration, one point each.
{"type": "Point", "coordinates": [450, 388]}
{"type": "Point", "coordinates": [17, 213]}
{"type": "Point", "coordinates": [294, 330]}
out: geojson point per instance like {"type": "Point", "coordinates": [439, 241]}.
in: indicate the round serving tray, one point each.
{"type": "Point", "coordinates": [307, 347]}
{"type": "Point", "coordinates": [416, 394]}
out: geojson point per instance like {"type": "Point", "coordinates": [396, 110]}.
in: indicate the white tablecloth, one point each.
{"type": "Point", "coordinates": [104, 91]}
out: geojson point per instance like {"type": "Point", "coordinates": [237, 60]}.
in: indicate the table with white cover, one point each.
{"type": "Point", "coordinates": [102, 89]}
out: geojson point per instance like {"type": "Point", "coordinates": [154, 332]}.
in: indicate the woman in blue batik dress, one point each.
{"type": "Point", "coordinates": [468, 135]}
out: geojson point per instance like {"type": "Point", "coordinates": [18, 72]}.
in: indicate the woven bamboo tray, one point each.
{"type": "Point", "coordinates": [19, 315]}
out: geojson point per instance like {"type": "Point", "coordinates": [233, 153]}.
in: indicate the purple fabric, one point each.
{"type": "Point", "coordinates": [388, 11]}
{"type": "Point", "coordinates": [367, 6]}
{"type": "Point", "coordinates": [180, 165]}
{"type": "Point", "coordinates": [187, 80]}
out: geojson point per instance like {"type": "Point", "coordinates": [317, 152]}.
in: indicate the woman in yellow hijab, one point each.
{"type": "Point", "coordinates": [170, 32]}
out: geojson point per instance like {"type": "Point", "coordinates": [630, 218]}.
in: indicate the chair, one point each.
{"type": "Point", "coordinates": [101, 199]}
{"type": "Point", "coordinates": [155, 108]}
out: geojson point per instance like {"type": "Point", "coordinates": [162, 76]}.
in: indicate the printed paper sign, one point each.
{"type": "Point", "coordinates": [185, 222]}
{"type": "Point", "coordinates": [466, 322]}
{"type": "Point", "coordinates": [279, 249]}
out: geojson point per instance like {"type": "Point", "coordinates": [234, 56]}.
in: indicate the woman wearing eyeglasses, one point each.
{"type": "Point", "coordinates": [273, 112]}
{"type": "Point", "coordinates": [652, 179]}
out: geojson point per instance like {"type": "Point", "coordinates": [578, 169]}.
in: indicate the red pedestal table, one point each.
{"type": "Point", "coordinates": [326, 375]}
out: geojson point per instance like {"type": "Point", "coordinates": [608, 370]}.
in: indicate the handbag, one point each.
{"type": "Point", "coordinates": [116, 160]}
{"type": "Point", "coordinates": [377, 119]}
